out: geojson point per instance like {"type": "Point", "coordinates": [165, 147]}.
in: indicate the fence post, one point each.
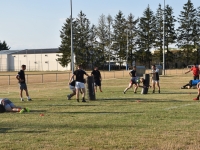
{"type": "Point", "coordinates": [8, 79]}
{"type": "Point", "coordinates": [42, 78]}
{"type": "Point", "coordinates": [27, 78]}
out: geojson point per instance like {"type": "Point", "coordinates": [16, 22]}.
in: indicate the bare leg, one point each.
{"type": "Point", "coordinates": [100, 88]}
{"type": "Point", "coordinates": [153, 86]}
{"type": "Point", "coordinates": [21, 93]}
{"type": "Point", "coordinates": [129, 86]}
{"type": "Point", "coordinates": [136, 87]}
{"type": "Point", "coordinates": [77, 95]}
{"type": "Point", "coordinates": [26, 90]}
{"type": "Point", "coordinates": [158, 86]}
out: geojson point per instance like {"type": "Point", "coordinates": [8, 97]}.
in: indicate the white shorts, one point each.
{"type": "Point", "coordinates": [79, 85]}
{"type": "Point", "coordinates": [155, 81]}
{"type": "Point", "coordinates": [72, 88]}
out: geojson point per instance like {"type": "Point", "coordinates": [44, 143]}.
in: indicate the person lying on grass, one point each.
{"type": "Point", "coordinates": [7, 106]}
{"type": "Point", "coordinates": [190, 84]}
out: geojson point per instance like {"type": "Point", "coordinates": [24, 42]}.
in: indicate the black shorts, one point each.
{"type": "Point", "coordinates": [22, 86]}
{"type": "Point", "coordinates": [196, 77]}
{"type": "Point", "coordinates": [97, 83]}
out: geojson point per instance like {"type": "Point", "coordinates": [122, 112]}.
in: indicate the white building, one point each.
{"type": "Point", "coordinates": [34, 59]}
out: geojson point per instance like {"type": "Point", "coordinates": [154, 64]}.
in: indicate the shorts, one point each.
{"type": "Point", "coordinates": [72, 88]}
{"type": "Point", "coordinates": [22, 86]}
{"type": "Point", "coordinates": [155, 81]}
{"type": "Point", "coordinates": [196, 77]}
{"type": "Point", "coordinates": [134, 80]}
{"type": "Point", "coordinates": [97, 83]}
{"type": "Point", "coordinates": [8, 105]}
{"type": "Point", "coordinates": [79, 85]}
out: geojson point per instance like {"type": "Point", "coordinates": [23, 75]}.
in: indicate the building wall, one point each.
{"type": "Point", "coordinates": [3, 62]}
{"type": "Point", "coordinates": [36, 62]}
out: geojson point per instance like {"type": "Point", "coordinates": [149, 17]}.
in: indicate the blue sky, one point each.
{"type": "Point", "coordinates": [27, 24]}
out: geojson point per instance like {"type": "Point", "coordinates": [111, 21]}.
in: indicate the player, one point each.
{"type": "Point", "coordinates": [97, 78]}
{"type": "Point", "coordinates": [79, 85]}
{"type": "Point", "coordinates": [22, 83]}
{"type": "Point", "coordinates": [73, 89]}
{"type": "Point", "coordinates": [143, 81]}
{"type": "Point", "coordinates": [190, 84]}
{"type": "Point", "coordinates": [198, 87]}
{"type": "Point", "coordinates": [155, 78]}
{"type": "Point", "coordinates": [134, 80]}
{"type": "Point", "coordinates": [195, 71]}
{"type": "Point", "coordinates": [7, 106]}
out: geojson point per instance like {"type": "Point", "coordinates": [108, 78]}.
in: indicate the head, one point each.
{"type": "Point", "coordinates": [95, 68]}
{"type": "Point", "coordinates": [23, 67]}
{"type": "Point", "coordinates": [153, 67]}
{"type": "Point", "coordinates": [2, 109]}
{"type": "Point", "coordinates": [195, 65]}
{"type": "Point", "coordinates": [141, 80]}
{"type": "Point", "coordinates": [79, 66]}
{"type": "Point", "coordinates": [134, 67]}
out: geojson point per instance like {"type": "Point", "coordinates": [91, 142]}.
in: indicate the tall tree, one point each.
{"type": "Point", "coordinates": [146, 35]}
{"type": "Point", "coordinates": [131, 24]}
{"type": "Point", "coordinates": [4, 46]}
{"type": "Point", "coordinates": [119, 36]}
{"type": "Point", "coordinates": [65, 47]}
{"type": "Point", "coordinates": [186, 30]}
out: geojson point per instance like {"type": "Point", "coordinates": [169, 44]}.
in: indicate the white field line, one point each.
{"type": "Point", "coordinates": [175, 107]}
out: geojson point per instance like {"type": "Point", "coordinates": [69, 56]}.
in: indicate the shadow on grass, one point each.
{"type": "Point", "coordinates": [38, 110]}
{"type": "Point", "coordinates": [7, 130]}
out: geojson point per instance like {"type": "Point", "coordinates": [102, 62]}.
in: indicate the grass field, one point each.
{"type": "Point", "coordinates": [166, 121]}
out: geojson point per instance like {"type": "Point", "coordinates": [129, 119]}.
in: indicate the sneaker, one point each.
{"type": "Point", "coordinates": [83, 100]}
{"type": "Point", "coordinates": [153, 91]}
{"type": "Point", "coordinates": [22, 99]}
{"type": "Point", "coordinates": [182, 87]}
{"type": "Point", "coordinates": [77, 100]}
{"type": "Point", "coordinates": [26, 110]}
{"type": "Point", "coordinates": [158, 91]}
{"type": "Point", "coordinates": [135, 92]}
{"type": "Point", "coordinates": [29, 99]}
{"type": "Point", "coordinates": [68, 97]}
{"type": "Point", "coordinates": [196, 99]}
{"type": "Point", "coordinates": [124, 92]}
{"type": "Point", "coordinates": [22, 111]}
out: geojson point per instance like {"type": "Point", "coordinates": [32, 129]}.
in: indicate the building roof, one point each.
{"type": "Point", "coordinates": [30, 51]}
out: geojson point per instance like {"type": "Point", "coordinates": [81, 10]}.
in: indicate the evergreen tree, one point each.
{"type": "Point", "coordinates": [131, 24]}
{"type": "Point", "coordinates": [65, 47]}
{"type": "Point", "coordinates": [186, 30]}
{"type": "Point", "coordinates": [146, 35]}
{"type": "Point", "coordinates": [4, 46]}
{"type": "Point", "coordinates": [120, 37]}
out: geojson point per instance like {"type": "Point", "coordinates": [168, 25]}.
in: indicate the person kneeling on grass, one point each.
{"type": "Point", "coordinates": [143, 81]}
{"type": "Point", "coordinates": [190, 84]}
{"type": "Point", "coordinates": [7, 106]}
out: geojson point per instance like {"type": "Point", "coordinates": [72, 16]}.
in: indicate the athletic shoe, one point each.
{"type": "Point", "coordinates": [68, 97]}
{"type": "Point", "coordinates": [83, 100]}
{"type": "Point", "coordinates": [77, 100]}
{"type": "Point", "coordinates": [196, 99]}
{"type": "Point", "coordinates": [22, 111]}
{"type": "Point", "coordinates": [22, 99]}
{"type": "Point", "coordinates": [153, 91]}
{"type": "Point", "coordinates": [124, 92]}
{"type": "Point", "coordinates": [158, 91]}
{"type": "Point", "coordinates": [27, 110]}
{"type": "Point", "coordinates": [29, 99]}
{"type": "Point", "coordinates": [135, 92]}
{"type": "Point", "coordinates": [182, 87]}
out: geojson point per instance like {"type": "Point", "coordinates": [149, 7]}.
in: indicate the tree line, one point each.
{"type": "Point", "coordinates": [132, 39]}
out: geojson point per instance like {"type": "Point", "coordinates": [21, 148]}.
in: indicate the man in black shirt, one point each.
{"type": "Point", "coordinates": [97, 78]}
{"type": "Point", "coordinates": [22, 83]}
{"type": "Point", "coordinates": [79, 85]}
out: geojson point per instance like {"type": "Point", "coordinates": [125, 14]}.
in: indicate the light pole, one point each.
{"type": "Point", "coordinates": [164, 39]}
{"type": "Point", "coordinates": [127, 53]}
{"type": "Point", "coordinates": [72, 49]}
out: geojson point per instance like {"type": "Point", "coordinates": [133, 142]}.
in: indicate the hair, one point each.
{"type": "Point", "coordinates": [79, 66]}
{"type": "Point", "coordinates": [153, 65]}
{"type": "Point", "coordinates": [195, 64]}
{"type": "Point", "coordinates": [2, 109]}
{"type": "Point", "coordinates": [23, 66]}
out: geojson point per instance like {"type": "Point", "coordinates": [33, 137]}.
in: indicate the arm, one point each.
{"type": "Point", "coordinates": [70, 80]}
{"type": "Point", "coordinates": [18, 78]}
{"type": "Point", "coordinates": [130, 74]}
{"type": "Point", "coordinates": [188, 71]}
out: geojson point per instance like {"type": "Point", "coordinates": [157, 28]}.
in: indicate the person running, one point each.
{"type": "Point", "coordinates": [97, 78]}
{"type": "Point", "coordinates": [22, 83]}
{"type": "Point", "coordinates": [155, 78]}
{"type": "Point", "coordinates": [7, 106]}
{"type": "Point", "coordinates": [79, 85]}
{"type": "Point", "coordinates": [134, 80]}
{"type": "Point", "coordinates": [195, 71]}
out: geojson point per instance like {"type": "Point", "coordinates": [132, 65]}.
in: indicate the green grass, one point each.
{"type": "Point", "coordinates": [165, 121]}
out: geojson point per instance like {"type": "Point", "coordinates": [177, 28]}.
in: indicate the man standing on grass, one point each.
{"type": "Point", "coordinates": [22, 83]}
{"type": "Point", "coordinates": [155, 78]}
{"type": "Point", "coordinates": [97, 78]}
{"type": "Point", "coordinates": [195, 71]}
{"type": "Point", "coordinates": [79, 85]}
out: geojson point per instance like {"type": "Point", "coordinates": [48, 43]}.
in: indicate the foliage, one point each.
{"type": "Point", "coordinates": [4, 46]}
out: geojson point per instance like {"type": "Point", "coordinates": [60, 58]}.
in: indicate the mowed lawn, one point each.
{"type": "Point", "coordinates": [115, 121]}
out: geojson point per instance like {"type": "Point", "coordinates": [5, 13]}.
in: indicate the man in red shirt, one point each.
{"type": "Point", "coordinates": [195, 71]}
